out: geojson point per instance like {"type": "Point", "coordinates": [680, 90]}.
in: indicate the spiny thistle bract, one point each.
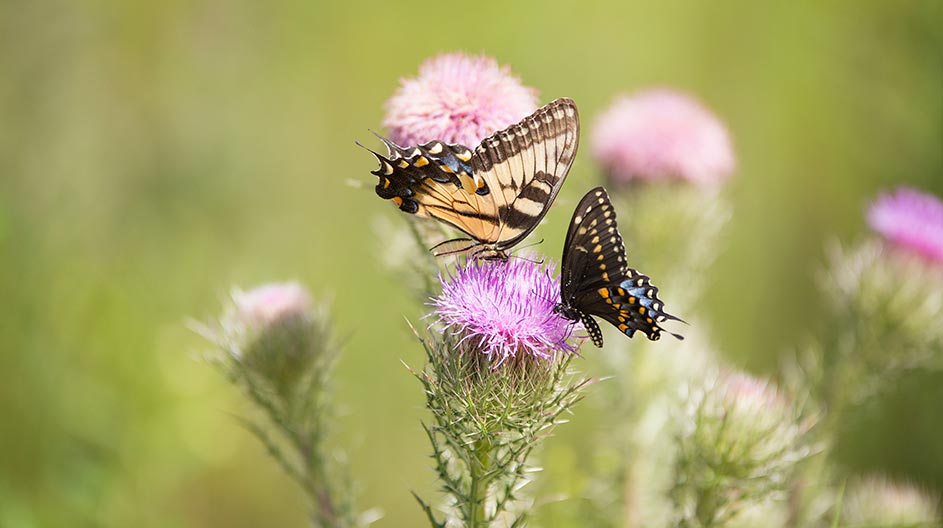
{"type": "Point", "coordinates": [496, 382]}
{"type": "Point", "coordinates": [276, 345]}
{"type": "Point", "coordinates": [884, 309]}
{"type": "Point", "coordinates": [738, 446]}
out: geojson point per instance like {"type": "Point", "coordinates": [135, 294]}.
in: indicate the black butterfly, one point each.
{"type": "Point", "coordinates": [595, 279]}
{"type": "Point", "coordinates": [497, 194]}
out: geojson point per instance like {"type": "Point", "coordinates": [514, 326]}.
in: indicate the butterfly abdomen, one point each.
{"type": "Point", "coordinates": [592, 328]}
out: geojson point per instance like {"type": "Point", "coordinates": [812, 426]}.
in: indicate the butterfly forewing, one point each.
{"type": "Point", "coordinates": [596, 279]}
{"type": "Point", "coordinates": [593, 252]}
{"type": "Point", "coordinates": [525, 165]}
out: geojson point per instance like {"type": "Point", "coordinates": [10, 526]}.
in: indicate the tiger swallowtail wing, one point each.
{"type": "Point", "coordinates": [496, 194]}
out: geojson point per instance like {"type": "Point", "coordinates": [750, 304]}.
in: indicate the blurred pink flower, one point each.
{"type": "Point", "coordinates": [271, 303]}
{"type": "Point", "coordinates": [662, 135]}
{"type": "Point", "coordinates": [745, 390]}
{"type": "Point", "coordinates": [910, 219]}
{"type": "Point", "coordinates": [505, 309]}
{"type": "Point", "coordinates": [877, 501]}
{"type": "Point", "coordinates": [457, 98]}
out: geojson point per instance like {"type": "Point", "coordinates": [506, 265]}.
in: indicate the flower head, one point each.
{"type": "Point", "coordinates": [740, 441]}
{"type": "Point", "coordinates": [662, 135]}
{"type": "Point", "coordinates": [457, 98]}
{"type": "Point", "coordinates": [875, 501]}
{"type": "Point", "coordinates": [275, 334]}
{"type": "Point", "coordinates": [894, 304]}
{"type": "Point", "coordinates": [912, 220]}
{"type": "Point", "coordinates": [748, 394]}
{"type": "Point", "coordinates": [505, 309]}
{"type": "Point", "coordinates": [271, 303]}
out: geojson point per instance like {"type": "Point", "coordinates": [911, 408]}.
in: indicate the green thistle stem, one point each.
{"type": "Point", "coordinates": [478, 490]}
{"type": "Point", "coordinates": [707, 507]}
{"type": "Point", "coordinates": [315, 481]}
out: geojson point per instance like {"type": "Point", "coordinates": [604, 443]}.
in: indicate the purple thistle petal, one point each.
{"type": "Point", "coordinates": [912, 220]}
{"type": "Point", "coordinates": [457, 98]}
{"type": "Point", "coordinates": [506, 309]}
{"type": "Point", "coordinates": [662, 134]}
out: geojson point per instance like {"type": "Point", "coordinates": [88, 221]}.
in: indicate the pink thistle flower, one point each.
{"type": "Point", "coordinates": [662, 135]}
{"type": "Point", "coordinates": [457, 98]}
{"type": "Point", "coordinates": [271, 303]}
{"type": "Point", "coordinates": [506, 309]}
{"type": "Point", "coordinates": [912, 220]}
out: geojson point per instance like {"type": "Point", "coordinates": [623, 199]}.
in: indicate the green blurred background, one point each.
{"type": "Point", "coordinates": [154, 154]}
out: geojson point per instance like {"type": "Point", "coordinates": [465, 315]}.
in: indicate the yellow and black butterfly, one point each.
{"type": "Point", "coordinates": [595, 279]}
{"type": "Point", "coordinates": [497, 194]}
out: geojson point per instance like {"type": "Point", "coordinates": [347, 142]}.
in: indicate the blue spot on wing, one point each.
{"type": "Point", "coordinates": [452, 162]}
{"type": "Point", "coordinates": [640, 292]}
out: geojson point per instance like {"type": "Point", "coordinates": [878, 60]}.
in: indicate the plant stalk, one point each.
{"type": "Point", "coordinates": [478, 489]}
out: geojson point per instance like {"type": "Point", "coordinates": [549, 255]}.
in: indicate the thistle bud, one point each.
{"type": "Point", "coordinates": [274, 339]}
{"type": "Point", "coordinates": [875, 501]}
{"type": "Point", "coordinates": [276, 345]}
{"type": "Point", "coordinates": [737, 448]}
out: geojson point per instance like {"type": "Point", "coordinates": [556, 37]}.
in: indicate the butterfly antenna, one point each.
{"type": "Point", "coordinates": [541, 261]}
{"type": "Point", "coordinates": [541, 241]}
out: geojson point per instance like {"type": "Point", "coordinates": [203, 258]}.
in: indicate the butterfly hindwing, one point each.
{"type": "Point", "coordinates": [402, 173]}
{"type": "Point", "coordinates": [497, 194]}
{"type": "Point", "coordinates": [596, 281]}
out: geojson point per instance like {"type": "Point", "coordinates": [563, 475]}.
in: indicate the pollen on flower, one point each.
{"type": "Point", "coordinates": [505, 309]}
{"type": "Point", "coordinates": [911, 220]}
{"type": "Point", "coordinates": [457, 98]}
{"type": "Point", "coordinates": [662, 135]}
